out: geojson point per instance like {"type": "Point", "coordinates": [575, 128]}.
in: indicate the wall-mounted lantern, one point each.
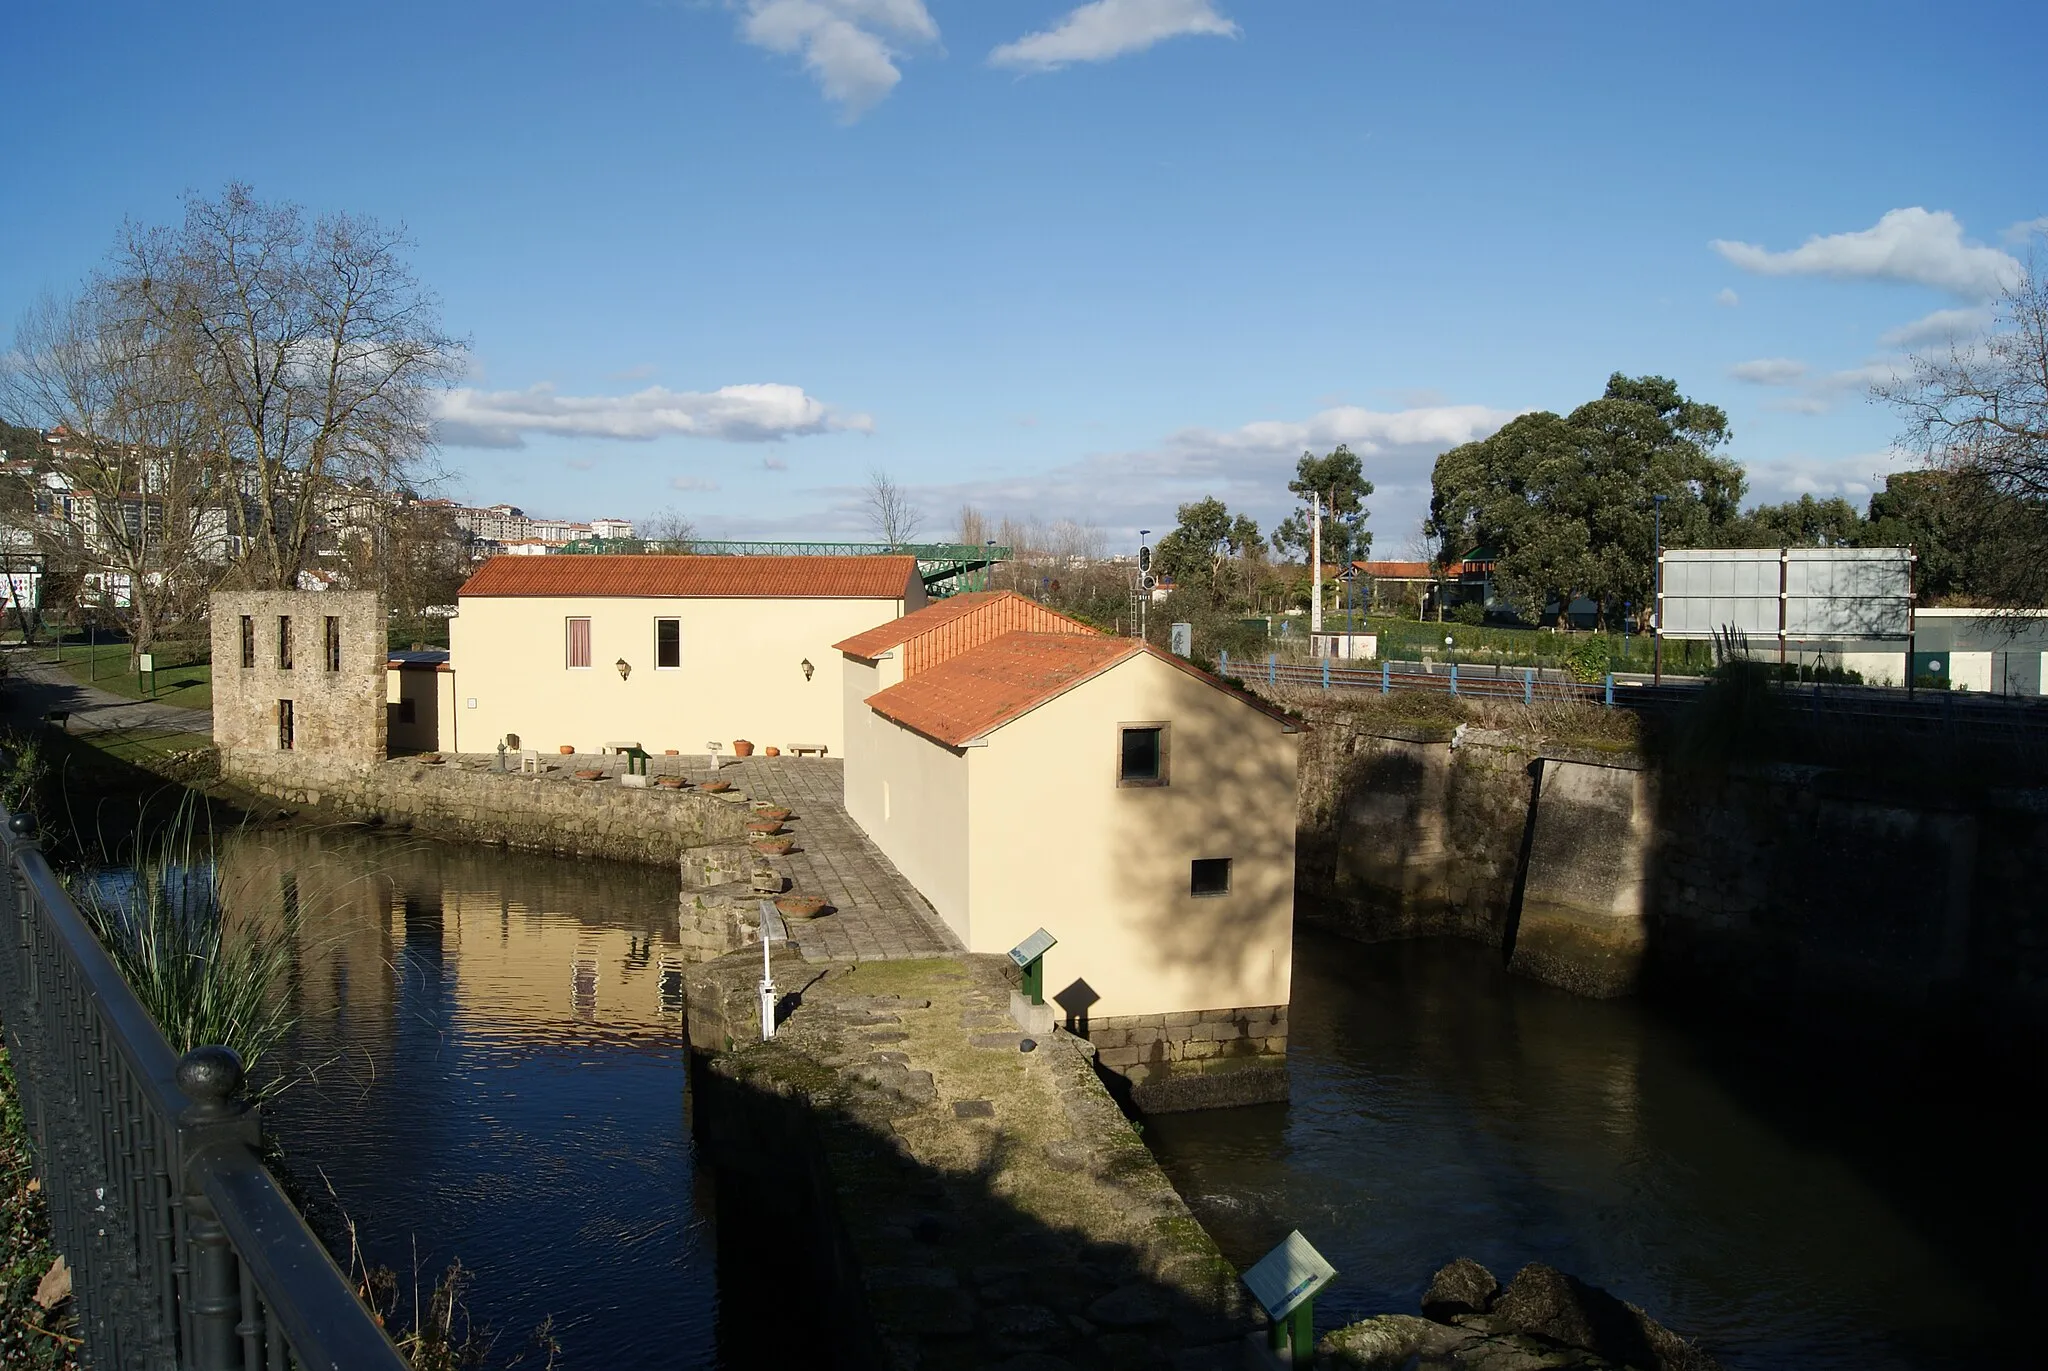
{"type": "Point", "coordinates": [625, 668]}
{"type": "Point", "coordinates": [808, 668]}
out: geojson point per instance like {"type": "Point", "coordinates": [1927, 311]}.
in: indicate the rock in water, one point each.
{"type": "Point", "coordinates": [1546, 1303]}
{"type": "Point", "coordinates": [1462, 1287]}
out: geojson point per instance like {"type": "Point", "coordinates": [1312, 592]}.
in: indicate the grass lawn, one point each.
{"type": "Point", "coordinates": [142, 746]}
{"type": "Point", "coordinates": [189, 684]}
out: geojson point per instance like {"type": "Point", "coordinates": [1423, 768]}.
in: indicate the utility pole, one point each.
{"type": "Point", "coordinates": [1315, 559]}
{"type": "Point", "coordinates": [1657, 598]}
{"type": "Point", "coordinates": [1145, 580]}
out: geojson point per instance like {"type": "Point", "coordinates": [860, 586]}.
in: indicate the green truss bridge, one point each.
{"type": "Point", "coordinates": [945, 567]}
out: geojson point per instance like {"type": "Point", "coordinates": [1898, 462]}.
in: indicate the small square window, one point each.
{"type": "Point", "coordinates": [1209, 876]}
{"type": "Point", "coordinates": [668, 644]}
{"type": "Point", "coordinates": [1141, 754]}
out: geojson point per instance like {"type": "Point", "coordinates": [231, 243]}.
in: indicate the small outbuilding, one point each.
{"type": "Point", "coordinates": [1137, 808]}
{"type": "Point", "coordinates": [663, 651]}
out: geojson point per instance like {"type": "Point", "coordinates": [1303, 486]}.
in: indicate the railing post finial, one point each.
{"type": "Point", "coordinates": [213, 1078]}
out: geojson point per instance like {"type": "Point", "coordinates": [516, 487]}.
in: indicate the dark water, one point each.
{"type": "Point", "coordinates": [495, 1073]}
{"type": "Point", "coordinates": [1787, 1205]}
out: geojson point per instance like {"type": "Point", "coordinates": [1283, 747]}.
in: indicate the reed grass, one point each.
{"type": "Point", "coordinates": [162, 921]}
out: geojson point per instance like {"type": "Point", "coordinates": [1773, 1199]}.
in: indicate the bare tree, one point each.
{"type": "Point", "coordinates": [670, 529]}
{"type": "Point", "coordinates": [973, 526]}
{"type": "Point", "coordinates": [316, 350]}
{"type": "Point", "coordinates": [1980, 413]}
{"type": "Point", "coordinates": [131, 480]}
{"type": "Point", "coordinates": [892, 515]}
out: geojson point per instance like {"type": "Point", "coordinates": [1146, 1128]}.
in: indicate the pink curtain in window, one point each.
{"type": "Point", "coordinates": [579, 642]}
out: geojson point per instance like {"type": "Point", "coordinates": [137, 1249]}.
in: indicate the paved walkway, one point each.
{"type": "Point", "coordinates": [880, 917]}
{"type": "Point", "coordinates": [34, 690]}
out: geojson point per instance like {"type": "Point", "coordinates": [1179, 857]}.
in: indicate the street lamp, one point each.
{"type": "Point", "coordinates": [1657, 595]}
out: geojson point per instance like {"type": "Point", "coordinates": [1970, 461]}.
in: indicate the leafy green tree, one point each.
{"type": "Point", "coordinates": [1804, 522]}
{"type": "Point", "coordinates": [1567, 503]}
{"type": "Point", "coordinates": [1337, 480]}
{"type": "Point", "coordinates": [1206, 544]}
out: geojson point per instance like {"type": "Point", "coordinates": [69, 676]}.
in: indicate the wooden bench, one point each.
{"type": "Point", "coordinates": [799, 749]}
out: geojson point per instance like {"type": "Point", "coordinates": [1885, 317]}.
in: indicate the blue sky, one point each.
{"type": "Point", "coordinates": [1070, 262]}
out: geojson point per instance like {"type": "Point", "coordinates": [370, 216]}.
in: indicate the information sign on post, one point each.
{"type": "Point", "coordinates": [1286, 1282]}
{"type": "Point", "coordinates": [1030, 955]}
{"type": "Point", "coordinates": [145, 667]}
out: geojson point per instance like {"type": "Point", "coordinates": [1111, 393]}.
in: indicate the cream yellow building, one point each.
{"type": "Point", "coordinates": [1138, 809]}
{"type": "Point", "coordinates": [666, 652]}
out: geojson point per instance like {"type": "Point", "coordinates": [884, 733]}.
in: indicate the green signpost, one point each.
{"type": "Point", "coordinates": [1286, 1282]}
{"type": "Point", "coordinates": [1030, 955]}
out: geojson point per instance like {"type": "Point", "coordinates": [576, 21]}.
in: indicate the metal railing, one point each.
{"type": "Point", "coordinates": [1926, 711]}
{"type": "Point", "coordinates": [1530, 685]}
{"type": "Point", "coordinates": [185, 1255]}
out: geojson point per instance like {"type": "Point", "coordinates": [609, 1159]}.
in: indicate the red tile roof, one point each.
{"type": "Point", "coordinates": [946, 628]}
{"type": "Point", "coordinates": [652, 576]}
{"type": "Point", "coordinates": [980, 690]}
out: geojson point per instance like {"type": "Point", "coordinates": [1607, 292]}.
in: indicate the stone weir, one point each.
{"type": "Point", "coordinates": [466, 799]}
{"type": "Point", "coordinates": [948, 1191]}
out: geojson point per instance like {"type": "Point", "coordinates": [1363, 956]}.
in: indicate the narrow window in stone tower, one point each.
{"type": "Point", "coordinates": [284, 725]}
{"type": "Point", "coordinates": [284, 642]}
{"type": "Point", "coordinates": [248, 640]}
{"type": "Point", "coordinates": [333, 643]}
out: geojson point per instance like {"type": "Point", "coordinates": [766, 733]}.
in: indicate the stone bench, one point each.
{"type": "Point", "coordinates": [799, 749]}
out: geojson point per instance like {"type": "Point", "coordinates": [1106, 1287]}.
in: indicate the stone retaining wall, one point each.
{"type": "Point", "coordinates": [1855, 896]}
{"type": "Point", "coordinates": [546, 814]}
{"type": "Point", "coordinates": [944, 1191]}
{"type": "Point", "coordinates": [1198, 1058]}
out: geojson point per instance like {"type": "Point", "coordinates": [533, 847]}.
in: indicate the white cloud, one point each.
{"type": "Point", "coordinates": [849, 46]}
{"type": "Point", "coordinates": [1911, 245]}
{"type": "Point", "coordinates": [2021, 233]}
{"type": "Point", "coordinates": [1855, 476]}
{"type": "Point", "coordinates": [691, 483]}
{"type": "Point", "coordinates": [1247, 467]}
{"type": "Point", "coordinates": [1106, 29]}
{"type": "Point", "coordinates": [745, 414]}
{"type": "Point", "coordinates": [1769, 371]}
{"type": "Point", "coordinates": [1937, 327]}
{"type": "Point", "coordinates": [1727, 298]}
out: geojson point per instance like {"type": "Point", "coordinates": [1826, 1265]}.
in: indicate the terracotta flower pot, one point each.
{"type": "Point", "coordinates": [567, 750]}
{"type": "Point", "coordinates": [771, 752]}
{"type": "Point", "coordinates": [775, 812]}
{"type": "Point", "coordinates": [670, 752]}
{"type": "Point", "coordinates": [670, 782]}
{"type": "Point", "coordinates": [715, 787]}
{"type": "Point", "coordinates": [764, 826]}
{"type": "Point", "coordinates": [775, 847]}
{"type": "Point", "coordinates": [742, 748]}
{"type": "Point", "coordinates": [592, 775]}
{"type": "Point", "coordinates": [801, 906]}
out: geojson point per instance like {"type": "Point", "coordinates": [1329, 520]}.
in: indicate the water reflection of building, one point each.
{"type": "Point", "coordinates": [390, 934]}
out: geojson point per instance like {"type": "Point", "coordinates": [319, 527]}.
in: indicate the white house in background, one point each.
{"type": "Point", "coordinates": [1991, 652]}
{"type": "Point", "coordinates": [667, 652]}
{"type": "Point", "coordinates": [1140, 810]}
